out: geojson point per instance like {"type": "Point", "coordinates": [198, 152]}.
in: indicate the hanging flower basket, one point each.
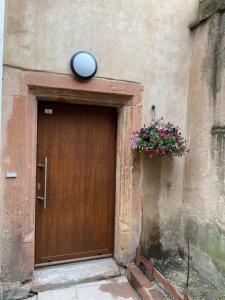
{"type": "Point", "coordinates": [159, 139]}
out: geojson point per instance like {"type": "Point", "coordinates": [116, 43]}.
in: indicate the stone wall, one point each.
{"type": "Point", "coordinates": [145, 41]}
{"type": "Point", "coordinates": [204, 181]}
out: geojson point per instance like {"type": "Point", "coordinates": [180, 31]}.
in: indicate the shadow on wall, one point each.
{"type": "Point", "coordinates": [151, 186]}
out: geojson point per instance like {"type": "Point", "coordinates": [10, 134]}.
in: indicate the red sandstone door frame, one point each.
{"type": "Point", "coordinates": [126, 97]}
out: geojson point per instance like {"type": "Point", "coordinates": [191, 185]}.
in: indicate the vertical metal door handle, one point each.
{"type": "Point", "coordinates": [45, 166]}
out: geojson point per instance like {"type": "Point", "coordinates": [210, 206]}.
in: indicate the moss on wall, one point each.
{"type": "Point", "coordinates": [209, 237]}
{"type": "Point", "coordinates": [203, 215]}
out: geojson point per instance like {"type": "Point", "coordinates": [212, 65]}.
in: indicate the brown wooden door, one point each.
{"type": "Point", "coordinates": [79, 143]}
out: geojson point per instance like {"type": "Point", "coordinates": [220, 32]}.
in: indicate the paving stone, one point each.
{"type": "Point", "coordinates": [117, 288]}
{"type": "Point", "coordinates": [35, 297]}
{"type": "Point", "coordinates": [59, 294]}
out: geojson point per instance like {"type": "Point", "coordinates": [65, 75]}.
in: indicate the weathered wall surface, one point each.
{"type": "Point", "coordinates": [2, 12]}
{"type": "Point", "coordinates": [165, 86]}
{"type": "Point", "coordinates": [147, 42]}
{"type": "Point", "coordinates": [204, 193]}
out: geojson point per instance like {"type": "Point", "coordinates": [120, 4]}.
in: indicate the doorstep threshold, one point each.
{"type": "Point", "coordinates": [57, 276]}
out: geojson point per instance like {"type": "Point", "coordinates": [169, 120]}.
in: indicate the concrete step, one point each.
{"type": "Point", "coordinates": [52, 277]}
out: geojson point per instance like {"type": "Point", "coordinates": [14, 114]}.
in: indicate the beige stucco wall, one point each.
{"type": "Point", "coordinates": [204, 196]}
{"type": "Point", "coordinates": [2, 12]}
{"type": "Point", "coordinates": [148, 41]}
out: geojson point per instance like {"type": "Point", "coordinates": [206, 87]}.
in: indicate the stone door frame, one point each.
{"type": "Point", "coordinates": [28, 87]}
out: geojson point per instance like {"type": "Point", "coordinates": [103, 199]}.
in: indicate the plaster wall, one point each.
{"type": "Point", "coordinates": [145, 41]}
{"type": "Point", "coordinates": [2, 12]}
{"type": "Point", "coordinates": [204, 197]}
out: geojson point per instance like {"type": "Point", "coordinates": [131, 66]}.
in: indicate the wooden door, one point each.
{"type": "Point", "coordinates": [76, 157]}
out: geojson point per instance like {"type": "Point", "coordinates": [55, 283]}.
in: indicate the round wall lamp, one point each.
{"type": "Point", "coordinates": [83, 64]}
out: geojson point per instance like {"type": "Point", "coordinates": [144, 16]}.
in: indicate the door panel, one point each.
{"type": "Point", "coordinates": [80, 145]}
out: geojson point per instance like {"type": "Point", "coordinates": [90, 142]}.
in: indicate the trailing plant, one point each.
{"type": "Point", "coordinates": [159, 139]}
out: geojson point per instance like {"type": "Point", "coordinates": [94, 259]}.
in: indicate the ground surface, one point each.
{"type": "Point", "coordinates": [115, 288]}
{"type": "Point", "coordinates": [175, 270]}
